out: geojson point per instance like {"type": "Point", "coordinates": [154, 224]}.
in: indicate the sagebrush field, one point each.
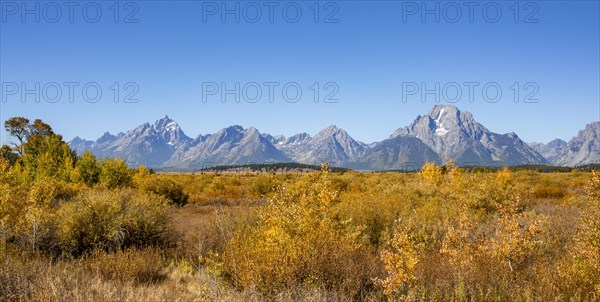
{"type": "Point", "coordinates": [440, 234]}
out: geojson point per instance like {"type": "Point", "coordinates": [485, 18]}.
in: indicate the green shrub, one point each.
{"type": "Point", "coordinates": [87, 169]}
{"type": "Point", "coordinates": [110, 220]}
{"type": "Point", "coordinates": [263, 184]}
{"type": "Point", "coordinates": [166, 188]}
{"type": "Point", "coordinates": [145, 221]}
{"type": "Point", "coordinates": [48, 156]}
{"type": "Point", "coordinates": [115, 173]}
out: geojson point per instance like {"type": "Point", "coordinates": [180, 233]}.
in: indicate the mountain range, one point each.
{"type": "Point", "coordinates": [581, 149]}
{"type": "Point", "coordinates": [443, 133]}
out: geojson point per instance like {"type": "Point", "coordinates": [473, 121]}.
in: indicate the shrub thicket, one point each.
{"type": "Point", "coordinates": [165, 187]}
{"type": "Point", "coordinates": [300, 241]}
{"type": "Point", "coordinates": [111, 220]}
{"type": "Point", "coordinates": [115, 173]}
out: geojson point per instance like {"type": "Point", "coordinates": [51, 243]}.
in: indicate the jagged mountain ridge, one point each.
{"type": "Point", "coordinates": [443, 133]}
{"type": "Point", "coordinates": [233, 146]}
{"type": "Point", "coordinates": [453, 134]}
{"type": "Point", "coordinates": [147, 144]}
{"type": "Point", "coordinates": [583, 148]}
{"type": "Point", "coordinates": [551, 151]}
{"type": "Point", "coordinates": [332, 144]}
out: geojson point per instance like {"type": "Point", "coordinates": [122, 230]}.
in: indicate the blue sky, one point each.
{"type": "Point", "coordinates": [365, 57]}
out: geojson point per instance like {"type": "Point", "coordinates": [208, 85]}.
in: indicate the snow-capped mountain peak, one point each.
{"type": "Point", "coordinates": [443, 133]}
{"type": "Point", "coordinates": [455, 134]}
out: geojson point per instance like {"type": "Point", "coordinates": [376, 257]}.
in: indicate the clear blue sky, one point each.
{"type": "Point", "coordinates": [369, 53]}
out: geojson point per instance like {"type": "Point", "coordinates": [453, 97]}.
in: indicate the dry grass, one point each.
{"type": "Point", "coordinates": [35, 278]}
{"type": "Point", "coordinates": [205, 229]}
{"type": "Point", "coordinates": [131, 265]}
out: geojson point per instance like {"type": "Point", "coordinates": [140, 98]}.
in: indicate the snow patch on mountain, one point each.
{"type": "Point", "coordinates": [440, 130]}
{"type": "Point", "coordinates": [453, 134]}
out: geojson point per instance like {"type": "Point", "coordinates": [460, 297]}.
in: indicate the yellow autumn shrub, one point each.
{"type": "Point", "coordinates": [580, 269]}
{"type": "Point", "coordinates": [300, 241]}
{"type": "Point", "coordinates": [431, 173]}
{"type": "Point", "coordinates": [517, 237]}
{"type": "Point", "coordinates": [400, 261]}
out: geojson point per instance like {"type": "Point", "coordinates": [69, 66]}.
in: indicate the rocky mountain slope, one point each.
{"type": "Point", "coordinates": [443, 133]}
{"type": "Point", "coordinates": [551, 151]}
{"type": "Point", "coordinates": [583, 148]}
{"type": "Point", "coordinates": [453, 134]}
